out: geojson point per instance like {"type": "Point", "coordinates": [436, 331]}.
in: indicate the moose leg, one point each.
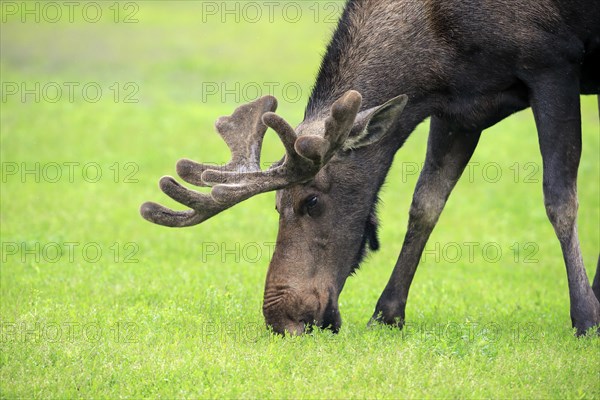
{"type": "Point", "coordinates": [448, 153]}
{"type": "Point", "coordinates": [554, 98]}
{"type": "Point", "coordinates": [596, 284]}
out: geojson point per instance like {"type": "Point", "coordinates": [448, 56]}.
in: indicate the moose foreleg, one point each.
{"type": "Point", "coordinates": [554, 99]}
{"type": "Point", "coordinates": [596, 284]}
{"type": "Point", "coordinates": [448, 153]}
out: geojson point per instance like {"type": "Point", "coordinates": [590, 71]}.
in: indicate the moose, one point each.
{"type": "Point", "coordinates": [390, 65]}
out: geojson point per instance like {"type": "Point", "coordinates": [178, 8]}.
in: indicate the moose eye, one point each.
{"type": "Point", "coordinates": [311, 206]}
{"type": "Point", "coordinates": [311, 202]}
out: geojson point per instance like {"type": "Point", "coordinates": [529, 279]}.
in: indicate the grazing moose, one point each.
{"type": "Point", "coordinates": [390, 65]}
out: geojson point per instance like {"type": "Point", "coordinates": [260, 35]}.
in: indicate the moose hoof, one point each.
{"type": "Point", "coordinates": [390, 316]}
{"type": "Point", "coordinates": [592, 330]}
{"type": "Point", "coordinates": [584, 318]}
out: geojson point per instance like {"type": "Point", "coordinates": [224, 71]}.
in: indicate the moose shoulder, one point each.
{"type": "Point", "coordinates": [390, 65]}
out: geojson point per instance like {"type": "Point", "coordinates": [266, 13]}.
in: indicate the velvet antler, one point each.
{"type": "Point", "coordinates": [242, 177]}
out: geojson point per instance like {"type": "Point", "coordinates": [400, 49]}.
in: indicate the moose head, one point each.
{"type": "Point", "coordinates": [326, 196]}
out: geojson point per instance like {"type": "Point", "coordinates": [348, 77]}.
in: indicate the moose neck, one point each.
{"type": "Point", "coordinates": [374, 51]}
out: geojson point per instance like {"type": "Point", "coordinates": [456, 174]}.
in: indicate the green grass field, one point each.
{"type": "Point", "coordinates": [98, 303]}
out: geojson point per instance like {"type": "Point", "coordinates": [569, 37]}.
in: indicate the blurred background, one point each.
{"type": "Point", "coordinates": [100, 99]}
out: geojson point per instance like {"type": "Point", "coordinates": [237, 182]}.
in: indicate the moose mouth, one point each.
{"type": "Point", "coordinates": [283, 316]}
{"type": "Point", "coordinates": [332, 322]}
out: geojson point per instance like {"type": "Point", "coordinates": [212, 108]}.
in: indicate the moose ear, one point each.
{"type": "Point", "coordinates": [373, 124]}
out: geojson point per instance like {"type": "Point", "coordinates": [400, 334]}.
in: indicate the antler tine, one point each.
{"type": "Point", "coordinates": [305, 155]}
{"type": "Point", "coordinates": [164, 216]}
{"type": "Point", "coordinates": [243, 132]}
{"type": "Point", "coordinates": [242, 178]}
{"type": "Point", "coordinates": [337, 129]}
{"type": "Point", "coordinates": [341, 120]}
{"type": "Point", "coordinates": [203, 206]}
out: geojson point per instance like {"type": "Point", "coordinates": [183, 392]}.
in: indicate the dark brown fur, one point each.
{"type": "Point", "coordinates": [467, 65]}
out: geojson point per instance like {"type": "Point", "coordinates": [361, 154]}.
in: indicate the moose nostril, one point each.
{"type": "Point", "coordinates": [286, 326]}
